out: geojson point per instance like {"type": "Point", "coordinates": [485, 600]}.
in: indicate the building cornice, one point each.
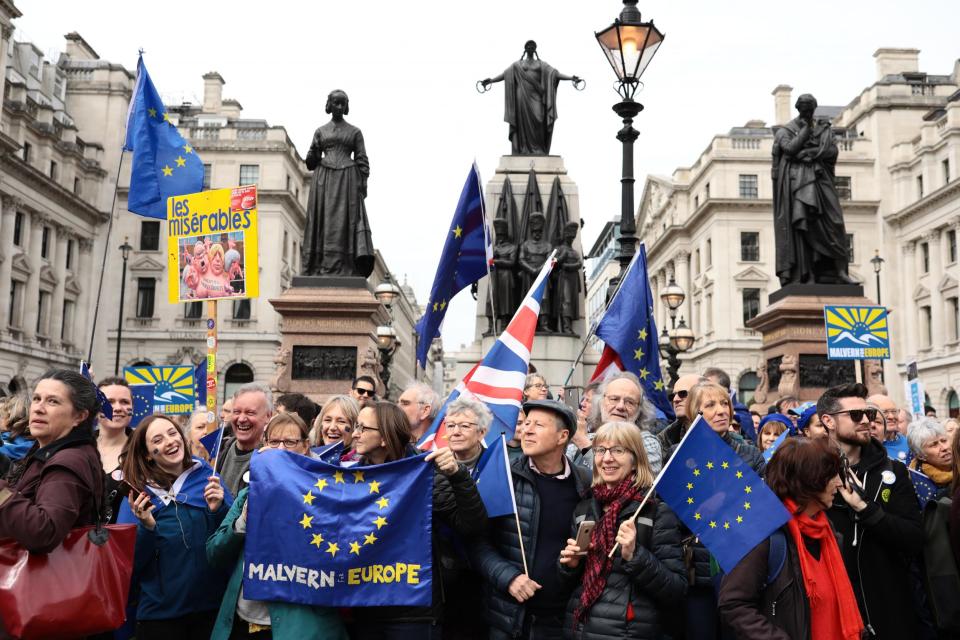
{"type": "Point", "coordinates": [14, 167]}
{"type": "Point", "coordinates": [925, 204]}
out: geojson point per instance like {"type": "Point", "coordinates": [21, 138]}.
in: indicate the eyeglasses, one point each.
{"type": "Point", "coordinates": [857, 414]}
{"type": "Point", "coordinates": [618, 451]}
{"type": "Point", "coordinates": [460, 426]}
{"type": "Point", "coordinates": [364, 392]}
{"type": "Point", "coordinates": [362, 428]}
{"type": "Point", "coordinates": [682, 394]}
{"type": "Point", "coordinates": [630, 403]}
{"type": "Point", "coordinates": [285, 443]}
{"type": "Point", "coordinates": [536, 385]}
{"type": "Point", "coordinates": [409, 403]}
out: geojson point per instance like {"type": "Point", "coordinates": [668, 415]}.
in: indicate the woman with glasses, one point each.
{"type": "Point", "coordinates": [336, 423]}
{"type": "Point", "coordinates": [383, 435]}
{"type": "Point", "coordinates": [622, 597]}
{"type": "Point", "coordinates": [535, 387]}
{"type": "Point", "coordinates": [178, 503]}
{"type": "Point", "coordinates": [242, 618]}
{"type": "Point", "coordinates": [466, 425]}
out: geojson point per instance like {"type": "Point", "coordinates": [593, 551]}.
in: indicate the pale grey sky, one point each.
{"type": "Point", "coordinates": [410, 68]}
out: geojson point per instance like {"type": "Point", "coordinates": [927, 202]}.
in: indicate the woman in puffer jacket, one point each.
{"type": "Point", "coordinates": [621, 597]}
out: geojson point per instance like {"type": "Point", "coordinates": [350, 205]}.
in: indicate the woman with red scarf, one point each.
{"type": "Point", "coordinates": [620, 597]}
{"type": "Point", "coordinates": [810, 596]}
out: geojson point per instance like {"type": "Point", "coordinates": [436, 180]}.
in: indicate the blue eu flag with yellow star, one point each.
{"type": "Point", "coordinates": [164, 163]}
{"type": "Point", "coordinates": [142, 402]}
{"type": "Point", "coordinates": [718, 496]}
{"type": "Point", "coordinates": [319, 534]}
{"type": "Point", "coordinates": [463, 262]}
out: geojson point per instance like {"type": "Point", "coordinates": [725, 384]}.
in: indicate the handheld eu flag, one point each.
{"type": "Point", "coordinates": [319, 534]}
{"type": "Point", "coordinates": [494, 482]}
{"type": "Point", "coordinates": [463, 261]}
{"type": "Point", "coordinates": [718, 496]}
{"type": "Point", "coordinates": [142, 402]}
{"type": "Point", "coordinates": [164, 163]}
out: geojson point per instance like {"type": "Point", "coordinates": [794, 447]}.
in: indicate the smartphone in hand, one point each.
{"type": "Point", "coordinates": [584, 532]}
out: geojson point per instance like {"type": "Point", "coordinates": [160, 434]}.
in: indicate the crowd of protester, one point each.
{"type": "Point", "coordinates": [855, 560]}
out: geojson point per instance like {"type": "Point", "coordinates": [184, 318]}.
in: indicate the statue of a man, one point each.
{"type": "Point", "coordinates": [533, 253]}
{"type": "Point", "coordinates": [567, 283]}
{"type": "Point", "coordinates": [530, 87]}
{"type": "Point", "coordinates": [504, 274]}
{"type": "Point", "coordinates": [807, 218]}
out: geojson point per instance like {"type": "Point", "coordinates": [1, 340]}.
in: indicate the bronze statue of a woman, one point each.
{"type": "Point", "coordinates": [337, 238]}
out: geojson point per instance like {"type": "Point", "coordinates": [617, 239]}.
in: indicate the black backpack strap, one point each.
{"type": "Point", "coordinates": [776, 556]}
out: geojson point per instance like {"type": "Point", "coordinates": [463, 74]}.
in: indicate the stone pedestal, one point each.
{"type": "Point", "coordinates": [794, 342]}
{"type": "Point", "coordinates": [328, 336]}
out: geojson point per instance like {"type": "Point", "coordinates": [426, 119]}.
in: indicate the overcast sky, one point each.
{"type": "Point", "coordinates": [410, 69]}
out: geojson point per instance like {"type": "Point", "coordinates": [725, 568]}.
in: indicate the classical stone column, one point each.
{"type": "Point", "coordinates": [937, 331]}
{"type": "Point", "coordinates": [33, 229]}
{"type": "Point", "coordinates": [81, 316]}
{"type": "Point", "coordinates": [7, 217]}
{"type": "Point", "coordinates": [682, 268]}
{"type": "Point", "coordinates": [60, 237]}
{"type": "Point", "coordinates": [663, 319]}
{"type": "Point", "coordinates": [908, 260]}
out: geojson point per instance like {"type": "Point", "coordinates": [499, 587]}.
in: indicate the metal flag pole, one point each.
{"type": "Point", "coordinates": [103, 263]}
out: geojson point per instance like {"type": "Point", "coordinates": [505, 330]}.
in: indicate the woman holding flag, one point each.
{"type": "Point", "coordinates": [621, 597]}
{"type": "Point", "coordinates": [794, 584]}
{"type": "Point", "coordinates": [177, 503]}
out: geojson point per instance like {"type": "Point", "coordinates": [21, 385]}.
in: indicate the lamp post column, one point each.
{"type": "Point", "coordinates": [627, 110]}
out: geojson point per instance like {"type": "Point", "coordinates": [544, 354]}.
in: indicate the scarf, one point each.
{"type": "Point", "coordinates": [604, 537]}
{"type": "Point", "coordinates": [940, 477]}
{"type": "Point", "coordinates": [833, 607]}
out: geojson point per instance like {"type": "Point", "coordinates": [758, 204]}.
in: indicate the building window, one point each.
{"type": "Point", "coordinates": [708, 254]}
{"type": "Point", "coordinates": [925, 257]}
{"type": "Point", "coordinates": [926, 326]}
{"type": "Point", "coordinates": [193, 310]}
{"type": "Point", "coordinates": [27, 147]}
{"type": "Point", "coordinates": [16, 304]}
{"type": "Point", "coordinates": [750, 246]}
{"type": "Point", "coordinates": [751, 304]}
{"type": "Point", "coordinates": [43, 307]}
{"type": "Point", "coordinates": [706, 191]}
{"type": "Point", "coordinates": [149, 235]}
{"type": "Point", "coordinates": [748, 385]}
{"type": "Point", "coordinates": [45, 243]}
{"type": "Point", "coordinates": [748, 186]}
{"type": "Point", "coordinates": [708, 313]}
{"type": "Point", "coordinates": [288, 182]}
{"type": "Point", "coordinates": [207, 171]}
{"type": "Point", "coordinates": [69, 259]}
{"type": "Point", "coordinates": [945, 166]}
{"type": "Point", "coordinates": [850, 247]}
{"type": "Point", "coordinates": [66, 326]}
{"type": "Point", "coordinates": [241, 309]}
{"type": "Point", "coordinates": [953, 316]}
{"type": "Point", "coordinates": [696, 202]}
{"type": "Point", "coordinates": [953, 404]}
{"type": "Point", "coordinates": [236, 376]}
{"type": "Point", "coordinates": [844, 187]}
{"type": "Point", "coordinates": [696, 262]}
{"type": "Point", "coordinates": [286, 241]}
{"type": "Point", "coordinates": [53, 170]}
{"type": "Point", "coordinates": [146, 290]}
{"type": "Point", "coordinates": [249, 174]}
{"type": "Point", "coordinates": [919, 187]}
{"type": "Point", "coordinates": [952, 245]}
{"type": "Point", "coordinates": [77, 186]}
{"type": "Point", "coordinates": [18, 229]}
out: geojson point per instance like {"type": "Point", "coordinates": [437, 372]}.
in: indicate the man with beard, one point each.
{"type": "Point", "coordinates": [875, 514]}
{"type": "Point", "coordinates": [622, 398]}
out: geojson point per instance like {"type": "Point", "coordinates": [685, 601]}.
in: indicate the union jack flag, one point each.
{"type": "Point", "coordinates": [497, 380]}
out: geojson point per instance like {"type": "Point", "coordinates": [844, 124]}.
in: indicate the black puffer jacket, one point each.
{"type": "Point", "coordinates": [653, 577]}
{"type": "Point", "coordinates": [691, 545]}
{"type": "Point", "coordinates": [497, 557]}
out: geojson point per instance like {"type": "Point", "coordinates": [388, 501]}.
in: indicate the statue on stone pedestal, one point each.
{"type": "Point", "coordinates": [808, 221]}
{"type": "Point", "coordinates": [567, 279]}
{"type": "Point", "coordinates": [504, 275]}
{"type": "Point", "coordinates": [533, 253]}
{"type": "Point", "coordinates": [530, 87]}
{"type": "Point", "coordinates": [337, 239]}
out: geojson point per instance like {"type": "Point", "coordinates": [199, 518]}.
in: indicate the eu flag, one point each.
{"type": "Point", "coordinates": [142, 402]}
{"type": "Point", "coordinates": [494, 482]}
{"type": "Point", "coordinates": [463, 262]}
{"type": "Point", "coordinates": [319, 534]}
{"type": "Point", "coordinates": [164, 163]}
{"type": "Point", "coordinates": [772, 449]}
{"type": "Point", "coordinates": [924, 486]}
{"type": "Point", "coordinates": [629, 333]}
{"type": "Point", "coordinates": [211, 442]}
{"type": "Point", "coordinates": [718, 496]}
{"type": "Point", "coordinates": [200, 383]}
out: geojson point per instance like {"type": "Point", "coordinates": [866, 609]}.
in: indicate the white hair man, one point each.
{"type": "Point", "coordinates": [421, 404]}
{"type": "Point", "coordinates": [622, 398]}
{"type": "Point", "coordinates": [252, 409]}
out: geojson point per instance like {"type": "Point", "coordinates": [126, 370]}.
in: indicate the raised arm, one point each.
{"type": "Point", "coordinates": [486, 82]}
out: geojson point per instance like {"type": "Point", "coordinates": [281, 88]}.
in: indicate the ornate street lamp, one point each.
{"type": "Point", "coordinates": [386, 292]}
{"type": "Point", "coordinates": [877, 263]}
{"type": "Point", "coordinates": [629, 45]}
{"type": "Point", "coordinates": [125, 250]}
{"type": "Point", "coordinates": [673, 295]}
{"type": "Point", "coordinates": [680, 337]}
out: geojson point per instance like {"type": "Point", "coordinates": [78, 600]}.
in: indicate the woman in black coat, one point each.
{"type": "Point", "coordinates": [621, 597]}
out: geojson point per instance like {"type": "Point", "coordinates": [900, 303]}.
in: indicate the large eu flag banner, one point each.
{"type": "Point", "coordinates": [319, 534]}
{"type": "Point", "coordinates": [719, 497]}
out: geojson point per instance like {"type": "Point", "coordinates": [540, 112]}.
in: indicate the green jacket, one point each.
{"type": "Point", "coordinates": [288, 621]}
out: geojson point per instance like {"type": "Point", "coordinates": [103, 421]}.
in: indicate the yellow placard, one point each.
{"type": "Point", "coordinates": [212, 247]}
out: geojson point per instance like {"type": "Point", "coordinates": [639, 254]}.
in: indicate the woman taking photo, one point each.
{"type": "Point", "coordinates": [383, 435]}
{"type": "Point", "coordinates": [811, 597]}
{"type": "Point", "coordinates": [54, 488]}
{"type": "Point", "coordinates": [178, 503]}
{"type": "Point", "coordinates": [336, 423]}
{"type": "Point", "coordinates": [646, 572]}
{"type": "Point", "coordinates": [242, 618]}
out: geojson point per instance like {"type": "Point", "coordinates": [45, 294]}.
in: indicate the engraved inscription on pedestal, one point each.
{"type": "Point", "coordinates": [323, 363]}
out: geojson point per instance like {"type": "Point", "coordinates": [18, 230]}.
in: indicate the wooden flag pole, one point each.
{"type": "Point", "coordinates": [211, 366]}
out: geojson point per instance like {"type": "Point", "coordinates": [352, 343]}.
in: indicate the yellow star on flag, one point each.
{"type": "Point", "coordinates": [443, 304]}
{"type": "Point", "coordinates": [643, 374]}
{"type": "Point", "coordinates": [338, 477]}
{"type": "Point", "coordinates": [380, 521]}
{"type": "Point", "coordinates": [317, 540]}
{"type": "Point", "coordinates": [332, 549]}
{"type": "Point", "coordinates": [457, 231]}
{"type": "Point", "coordinates": [307, 521]}
{"type": "Point", "coordinates": [435, 306]}
{"type": "Point", "coordinates": [689, 500]}
{"type": "Point", "coordinates": [746, 505]}
{"type": "Point", "coordinates": [725, 464]}
{"type": "Point", "coordinates": [382, 502]}
{"type": "Point", "coordinates": [308, 497]}
{"type": "Point", "coordinates": [739, 519]}
{"type": "Point", "coordinates": [642, 335]}
{"type": "Point", "coordinates": [748, 489]}
{"type": "Point", "coordinates": [355, 548]}
{"type": "Point", "coordinates": [357, 477]}
{"type": "Point", "coordinates": [726, 525]}
{"type": "Point", "coordinates": [713, 525]}
{"type": "Point", "coordinates": [696, 516]}
{"type": "Point", "coordinates": [638, 354]}
{"type": "Point", "coordinates": [709, 465]}
{"type": "Point", "coordinates": [369, 539]}
{"type": "Point", "coordinates": [187, 148]}
{"type": "Point", "coordinates": [321, 483]}
{"type": "Point", "coordinates": [696, 472]}
{"type": "Point", "coordinates": [166, 116]}
{"type": "Point", "coordinates": [659, 385]}
{"type": "Point", "coordinates": [152, 112]}
{"type": "Point", "coordinates": [180, 161]}
{"type": "Point", "coordinates": [690, 486]}
{"type": "Point", "coordinates": [374, 487]}
{"type": "Point", "coordinates": [167, 171]}
{"type": "Point", "coordinates": [739, 474]}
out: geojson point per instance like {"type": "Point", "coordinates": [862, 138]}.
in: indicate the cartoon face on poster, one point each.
{"type": "Point", "coordinates": [212, 245]}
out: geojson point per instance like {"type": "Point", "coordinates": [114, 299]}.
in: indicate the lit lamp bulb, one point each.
{"type": "Point", "coordinates": [629, 47]}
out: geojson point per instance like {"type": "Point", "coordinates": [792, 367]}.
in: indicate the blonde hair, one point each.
{"type": "Point", "coordinates": [697, 394]}
{"type": "Point", "coordinates": [348, 406]}
{"type": "Point", "coordinates": [628, 436]}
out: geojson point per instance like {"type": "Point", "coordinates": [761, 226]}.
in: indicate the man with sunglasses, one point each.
{"type": "Point", "coordinates": [876, 515]}
{"type": "Point", "coordinates": [673, 433]}
{"type": "Point", "coordinates": [364, 391]}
